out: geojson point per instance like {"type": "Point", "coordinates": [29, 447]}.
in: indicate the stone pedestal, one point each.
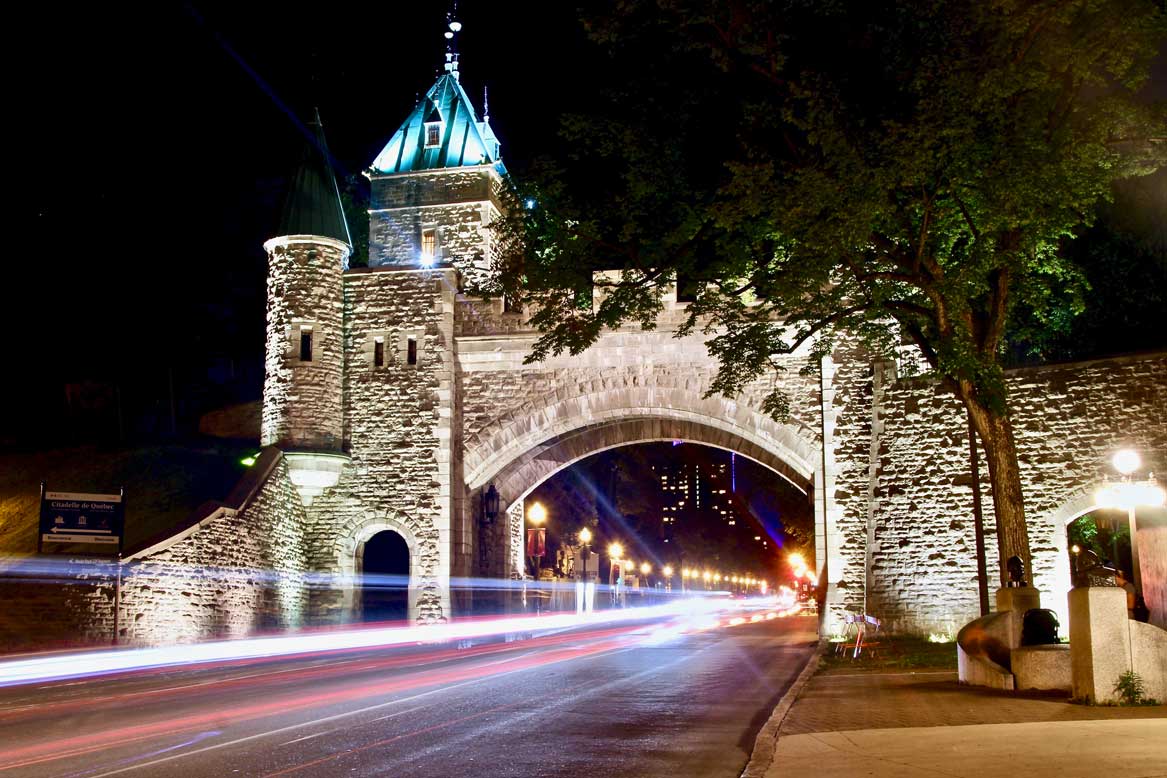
{"type": "Point", "coordinates": [1042, 667]}
{"type": "Point", "coordinates": [1016, 601]}
{"type": "Point", "coordinates": [1100, 644]}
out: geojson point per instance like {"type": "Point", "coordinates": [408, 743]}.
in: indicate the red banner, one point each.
{"type": "Point", "coordinates": [536, 541]}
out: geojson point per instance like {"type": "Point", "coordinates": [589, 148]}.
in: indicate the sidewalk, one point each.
{"type": "Point", "coordinates": [923, 723]}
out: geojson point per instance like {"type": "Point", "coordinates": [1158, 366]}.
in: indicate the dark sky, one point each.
{"type": "Point", "coordinates": [152, 149]}
{"type": "Point", "coordinates": [149, 153]}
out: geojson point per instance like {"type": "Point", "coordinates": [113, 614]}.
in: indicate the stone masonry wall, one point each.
{"type": "Point", "coordinates": [1068, 419]}
{"type": "Point", "coordinates": [397, 419]}
{"type": "Point", "coordinates": [237, 573]}
{"type": "Point", "coordinates": [56, 603]}
{"type": "Point", "coordinates": [459, 206]}
{"type": "Point", "coordinates": [629, 375]}
{"type": "Point", "coordinates": [302, 401]}
{"type": "Point", "coordinates": [851, 401]}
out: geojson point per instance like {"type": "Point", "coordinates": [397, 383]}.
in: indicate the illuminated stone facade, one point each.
{"type": "Point", "coordinates": [415, 398]}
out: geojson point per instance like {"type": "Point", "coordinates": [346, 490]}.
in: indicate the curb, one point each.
{"type": "Point", "coordinates": [767, 740]}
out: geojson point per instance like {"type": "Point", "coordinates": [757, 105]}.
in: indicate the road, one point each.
{"type": "Point", "coordinates": [601, 701]}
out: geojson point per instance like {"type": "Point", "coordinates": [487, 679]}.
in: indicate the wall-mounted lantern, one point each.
{"type": "Point", "coordinates": [490, 504]}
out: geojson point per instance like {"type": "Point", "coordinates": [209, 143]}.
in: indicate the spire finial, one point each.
{"type": "Point", "coordinates": [452, 26]}
{"type": "Point", "coordinates": [485, 104]}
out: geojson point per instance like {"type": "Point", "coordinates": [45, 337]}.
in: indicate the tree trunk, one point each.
{"type": "Point", "coordinates": [996, 433]}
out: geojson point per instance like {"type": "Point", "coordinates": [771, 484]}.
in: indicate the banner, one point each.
{"type": "Point", "coordinates": [536, 541]}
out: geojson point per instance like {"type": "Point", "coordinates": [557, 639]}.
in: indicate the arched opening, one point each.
{"type": "Point", "coordinates": [385, 578]}
{"type": "Point", "coordinates": [677, 507]}
{"type": "Point", "coordinates": [1076, 523]}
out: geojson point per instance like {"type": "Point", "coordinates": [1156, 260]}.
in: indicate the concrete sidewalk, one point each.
{"type": "Point", "coordinates": [925, 724]}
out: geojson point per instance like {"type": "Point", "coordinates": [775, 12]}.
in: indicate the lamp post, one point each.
{"type": "Point", "coordinates": [615, 552]}
{"type": "Point", "coordinates": [667, 572]}
{"type": "Point", "coordinates": [536, 536]}
{"type": "Point", "coordinates": [585, 585]}
{"type": "Point", "coordinates": [1129, 494]}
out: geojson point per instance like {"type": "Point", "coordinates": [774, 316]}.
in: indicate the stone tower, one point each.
{"type": "Point", "coordinates": [304, 362]}
{"type": "Point", "coordinates": [435, 185]}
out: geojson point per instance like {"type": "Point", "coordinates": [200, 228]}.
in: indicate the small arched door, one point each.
{"type": "Point", "coordinates": [385, 578]}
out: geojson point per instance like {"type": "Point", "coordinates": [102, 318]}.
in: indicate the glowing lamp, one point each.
{"type": "Point", "coordinates": [646, 568]}
{"type": "Point", "coordinates": [1128, 496]}
{"type": "Point", "coordinates": [585, 535]}
{"type": "Point", "coordinates": [615, 550]}
{"type": "Point", "coordinates": [667, 571]}
{"type": "Point", "coordinates": [1126, 461]}
{"type": "Point", "coordinates": [537, 514]}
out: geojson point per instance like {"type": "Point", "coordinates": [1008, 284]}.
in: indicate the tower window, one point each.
{"type": "Point", "coordinates": [429, 245]}
{"type": "Point", "coordinates": [433, 135]}
{"type": "Point", "coordinates": [305, 344]}
{"type": "Point", "coordinates": [411, 351]}
{"type": "Point", "coordinates": [379, 352]}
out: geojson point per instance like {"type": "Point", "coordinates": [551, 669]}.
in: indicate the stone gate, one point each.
{"type": "Point", "coordinates": [392, 401]}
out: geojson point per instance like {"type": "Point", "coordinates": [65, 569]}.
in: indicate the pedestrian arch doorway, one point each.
{"type": "Point", "coordinates": [384, 566]}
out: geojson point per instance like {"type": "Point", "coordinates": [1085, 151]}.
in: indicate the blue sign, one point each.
{"type": "Point", "coordinates": [73, 518]}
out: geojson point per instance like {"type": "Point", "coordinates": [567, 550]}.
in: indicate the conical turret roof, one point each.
{"type": "Point", "coordinates": [313, 204]}
{"type": "Point", "coordinates": [462, 141]}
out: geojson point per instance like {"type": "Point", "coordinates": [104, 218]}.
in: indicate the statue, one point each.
{"type": "Point", "coordinates": [1016, 567]}
{"type": "Point", "coordinates": [1090, 571]}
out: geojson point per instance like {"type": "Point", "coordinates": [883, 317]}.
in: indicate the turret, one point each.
{"type": "Point", "coordinates": [304, 364]}
{"type": "Point", "coordinates": [435, 185]}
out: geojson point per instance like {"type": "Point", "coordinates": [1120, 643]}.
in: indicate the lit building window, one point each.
{"type": "Point", "coordinates": [429, 245]}
{"type": "Point", "coordinates": [433, 135]}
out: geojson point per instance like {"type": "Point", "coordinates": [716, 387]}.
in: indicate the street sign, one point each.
{"type": "Point", "coordinates": [76, 518]}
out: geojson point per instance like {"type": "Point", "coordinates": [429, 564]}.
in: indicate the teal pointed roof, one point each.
{"type": "Point", "coordinates": [464, 141]}
{"type": "Point", "coordinates": [313, 204]}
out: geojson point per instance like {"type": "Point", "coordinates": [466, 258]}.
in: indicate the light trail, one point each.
{"type": "Point", "coordinates": [81, 745]}
{"type": "Point", "coordinates": [699, 613]}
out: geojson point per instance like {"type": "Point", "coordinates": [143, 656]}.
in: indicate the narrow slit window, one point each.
{"type": "Point", "coordinates": [379, 352]}
{"type": "Point", "coordinates": [306, 344]}
{"type": "Point", "coordinates": [433, 135]}
{"type": "Point", "coordinates": [429, 244]}
{"type": "Point", "coordinates": [411, 351]}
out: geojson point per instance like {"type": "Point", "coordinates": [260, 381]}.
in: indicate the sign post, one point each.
{"type": "Point", "coordinates": [83, 523]}
{"type": "Point", "coordinates": [70, 519]}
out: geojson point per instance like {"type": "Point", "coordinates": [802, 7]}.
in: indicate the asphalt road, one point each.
{"type": "Point", "coordinates": [623, 700]}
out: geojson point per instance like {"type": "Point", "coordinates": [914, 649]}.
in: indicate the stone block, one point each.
{"type": "Point", "coordinates": [1042, 667]}
{"type": "Point", "coordinates": [1100, 643]}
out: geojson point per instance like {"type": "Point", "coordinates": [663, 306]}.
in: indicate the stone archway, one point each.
{"type": "Point", "coordinates": [384, 562]}
{"type": "Point", "coordinates": [1152, 541]}
{"type": "Point", "coordinates": [500, 542]}
{"type": "Point", "coordinates": [349, 563]}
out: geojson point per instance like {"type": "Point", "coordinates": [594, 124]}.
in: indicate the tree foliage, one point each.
{"type": "Point", "coordinates": [895, 171]}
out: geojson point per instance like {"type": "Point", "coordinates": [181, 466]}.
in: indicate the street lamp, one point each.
{"type": "Point", "coordinates": [1128, 494]}
{"type": "Point", "coordinates": [585, 538]}
{"type": "Point", "coordinates": [536, 535]}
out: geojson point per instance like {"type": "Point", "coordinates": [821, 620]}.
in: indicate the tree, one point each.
{"type": "Point", "coordinates": [883, 171]}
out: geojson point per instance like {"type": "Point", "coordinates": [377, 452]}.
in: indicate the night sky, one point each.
{"type": "Point", "coordinates": [151, 152]}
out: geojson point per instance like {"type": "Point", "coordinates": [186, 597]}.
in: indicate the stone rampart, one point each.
{"type": "Point", "coordinates": [1068, 419]}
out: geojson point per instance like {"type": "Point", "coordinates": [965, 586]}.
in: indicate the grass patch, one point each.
{"type": "Point", "coordinates": [164, 483]}
{"type": "Point", "coordinates": [894, 652]}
